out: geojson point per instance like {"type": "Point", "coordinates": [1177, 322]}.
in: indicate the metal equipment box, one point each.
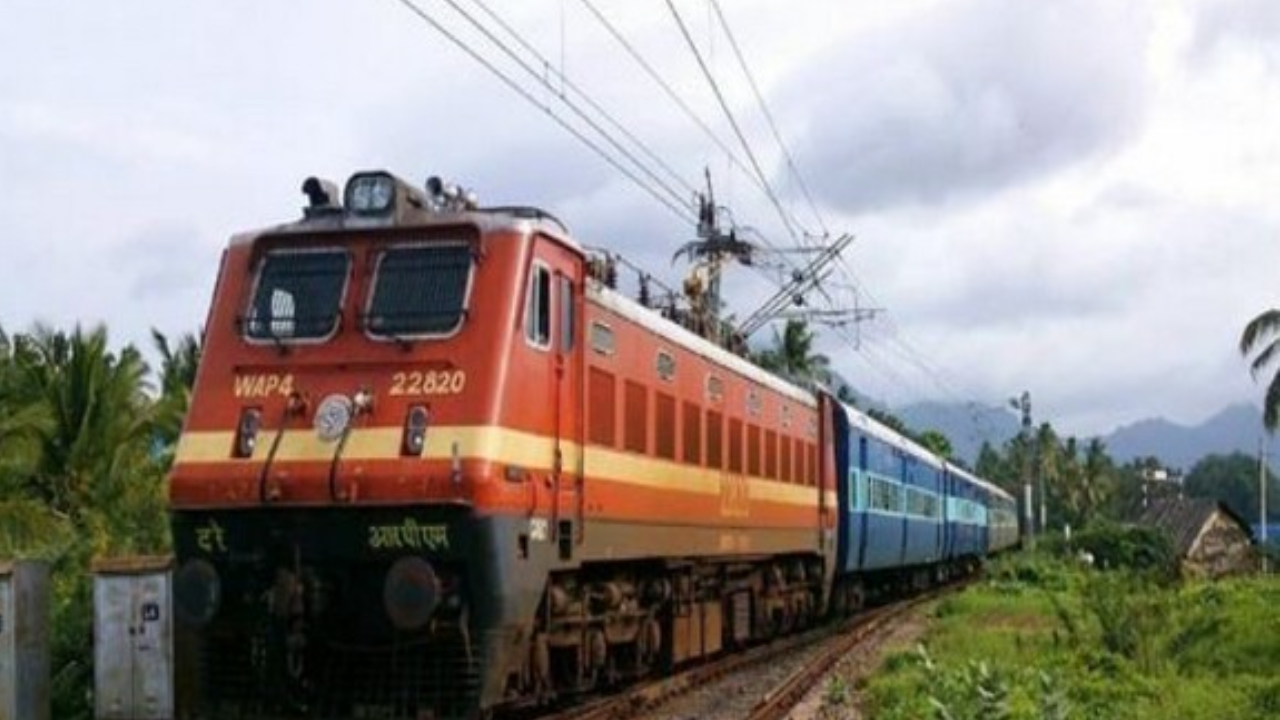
{"type": "Point", "coordinates": [24, 640]}
{"type": "Point", "coordinates": [133, 639]}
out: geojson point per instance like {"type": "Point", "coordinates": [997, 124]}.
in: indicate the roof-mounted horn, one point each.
{"type": "Point", "coordinates": [447, 197]}
{"type": "Point", "coordinates": [322, 198]}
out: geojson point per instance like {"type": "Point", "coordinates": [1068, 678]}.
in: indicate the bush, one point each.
{"type": "Point", "coordinates": [1128, 547]}
{"type": "Point", "coordinates": [1112, 644]}
{"type": "Point", "coordinates": [1043, 571]}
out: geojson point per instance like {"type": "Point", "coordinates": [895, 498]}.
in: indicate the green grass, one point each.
{"type": "Point", "coordinates": [1042, 640]}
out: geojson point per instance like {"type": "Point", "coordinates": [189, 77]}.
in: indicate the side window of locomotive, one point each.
{"type": "Point", "coordinates": [566, 313]}
{"type": "Point", "coordinates": [297, 295]}
{"type": "Point", "coordinates": [419, 291]}
{"type": "Point", "coordinates": [537, 326]}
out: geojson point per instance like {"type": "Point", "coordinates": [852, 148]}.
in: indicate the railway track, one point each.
{"type": "Point", "coordinates": [763, 683]}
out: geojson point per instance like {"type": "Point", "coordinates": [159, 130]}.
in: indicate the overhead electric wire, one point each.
{"type": "Point", "coordinates": [768, 116]}
{"type": "Point", "coordinates": [608, 117]}
{"type": "Point", "coordinates": [671, 204]}
{"type": "Point", "coordinates": [667, 89]}
{"type": "Point", "coordinates": [533, 73]}
{"type": "Point", "coordinates": [685, 214]}
{"type": "Point", "coordinates": [659, 188]}
{"type": "Point", "coordinates": [733, 122]}
{"type": "Point", "coordinates": [756, 177]}
{"type": "Point", "coordinates": [787, 221]}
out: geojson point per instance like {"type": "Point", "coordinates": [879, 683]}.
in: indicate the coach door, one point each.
{"type": "Point", "coordinates": [562, 283]}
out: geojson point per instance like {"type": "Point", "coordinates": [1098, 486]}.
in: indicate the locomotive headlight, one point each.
{"type": "Point", "coordinates": [333, 416]}
{"type": "Point", "coordinates": [247, 432]}
{"type": "Point", "coordinates": [415, 430]}
{"type": "Point", "coordinates": [197, 593]}
{"type": "Point", "coordinates": [370, 193]}
{"type": "Point", "coordinates": [410, 593]}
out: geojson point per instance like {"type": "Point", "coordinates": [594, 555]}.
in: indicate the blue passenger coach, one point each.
{"type": "Point", "coordinates": [907, 516]}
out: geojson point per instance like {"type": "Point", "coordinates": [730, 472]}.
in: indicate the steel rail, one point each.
{"type": "Point", "coordinates": [773, 704]}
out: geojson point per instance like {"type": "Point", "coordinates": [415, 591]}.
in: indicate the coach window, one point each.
{"type": "Point", "coordinates": [537, 325]}
{"type": "Point", "coordinates": [297, 296]}
{"type": "Point", "coordinates": [602, 340]}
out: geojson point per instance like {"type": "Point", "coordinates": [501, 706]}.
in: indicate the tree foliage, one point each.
{"type": "Point", "coordinates": [937, 443]}
{"type": "Point", "coordinates": [793, 355]}
{"type": "Point", "coordinates": [1230, 479]}
{"type": "Point", "coordinates": [1262, 336]}
{"type": "Point", "coordinates": [85, 442]}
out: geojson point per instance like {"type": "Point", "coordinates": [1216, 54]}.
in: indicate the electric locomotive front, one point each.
{"type": "Point", "coordinates": [344, 526]}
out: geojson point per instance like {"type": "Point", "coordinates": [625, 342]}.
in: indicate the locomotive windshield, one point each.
{"type": "Point", "coordinates": [298, 295]}
{"type": "Point", "coordinates": [419, 290]}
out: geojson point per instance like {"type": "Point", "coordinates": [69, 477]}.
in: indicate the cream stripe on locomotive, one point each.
{"type": "Point", "coordinates": [496, 444]}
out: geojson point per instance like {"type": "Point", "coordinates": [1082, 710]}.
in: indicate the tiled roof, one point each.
{"type": "Point", "coordinates": [1184, 518]}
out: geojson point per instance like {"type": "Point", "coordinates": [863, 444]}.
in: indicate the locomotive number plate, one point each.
{"type": "Point", "coordinates": [263, 385]}
{"type": "Point", "coordinates": [428, 382]}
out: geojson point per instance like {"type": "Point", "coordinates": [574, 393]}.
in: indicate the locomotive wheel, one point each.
{"type": "Point", "coordinates": [649, 642]}
{"type": "Point", "coordinates": [540, 664]}
{"type": "Point", "coordinates": [596, 656]}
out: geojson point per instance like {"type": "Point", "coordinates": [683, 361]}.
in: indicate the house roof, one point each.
{"type": "Point", "coordinates": [1184, 518]}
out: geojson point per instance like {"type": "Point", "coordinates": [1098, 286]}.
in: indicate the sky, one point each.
{"type": "Point", "coordinates": [1075, 198]}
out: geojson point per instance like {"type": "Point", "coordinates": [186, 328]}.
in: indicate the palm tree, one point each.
{"type": "Point", "coordinates": [1046, 461]}
{"type": "Point", "coordinates": [99, 415]}
{"type": "Point", "coordinates": [1070, 482]}
{"type": "Point", "coordinates": [25, 524]}
{"type": "Point", "coordinates": [1263, 334]}
{"type": "Point", "coordinates": [793, 356]}
{"type": "Point", "coordinates": [178, 365]}
{"type": "Point", "coordinates": [1098, 477]}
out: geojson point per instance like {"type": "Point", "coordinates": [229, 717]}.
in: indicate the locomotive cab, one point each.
{"type": "Point", "coordinates": [344, 490]}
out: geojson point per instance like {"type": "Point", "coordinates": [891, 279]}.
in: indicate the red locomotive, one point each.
{"type": "Point", "coordinates": [435, 466]}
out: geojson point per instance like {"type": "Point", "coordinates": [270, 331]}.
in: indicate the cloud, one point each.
{"type": "Point", "coordinates": [1224, 23]}
{"type": "Point", "coordinates": [969, 98]}
{"type": "Point", "coordinates": [1127, 307]}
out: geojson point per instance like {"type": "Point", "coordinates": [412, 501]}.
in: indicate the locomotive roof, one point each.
{"type": "Point", "coordinates": [523, 220]}
{"type": "Point", "coordinates": [696, 344]}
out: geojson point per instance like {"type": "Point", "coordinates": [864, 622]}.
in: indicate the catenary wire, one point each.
{"type": "Point", "coordinates": [906, 350]}
{"type": "Point", "coordinates": [683, 213]}
{"type": "Point", "coordinates": [768, 116]}
{"type": "Point", "coordinates": [568, 83]}
{"type": "Point", "coordinates": [533, 73]}
{"type": "Point", "coordinates": [733, 122]}
{"type": "Point", "coordinates": [666, 88]}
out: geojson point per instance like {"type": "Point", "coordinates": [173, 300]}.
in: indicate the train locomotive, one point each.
{"type": "Point", "coordinates": [436, 466]}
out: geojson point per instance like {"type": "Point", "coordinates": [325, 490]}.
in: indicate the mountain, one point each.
{"type": "Point", "coordinates": [967, 425]}
{"type": "Point", "coordinates": [1177, 446]}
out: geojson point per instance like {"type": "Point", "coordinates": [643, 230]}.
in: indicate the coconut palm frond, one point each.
{"type": "Point", "coordinates": [1265, 325]}
{"type": "Point", "coordinates": [1271, 410]}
